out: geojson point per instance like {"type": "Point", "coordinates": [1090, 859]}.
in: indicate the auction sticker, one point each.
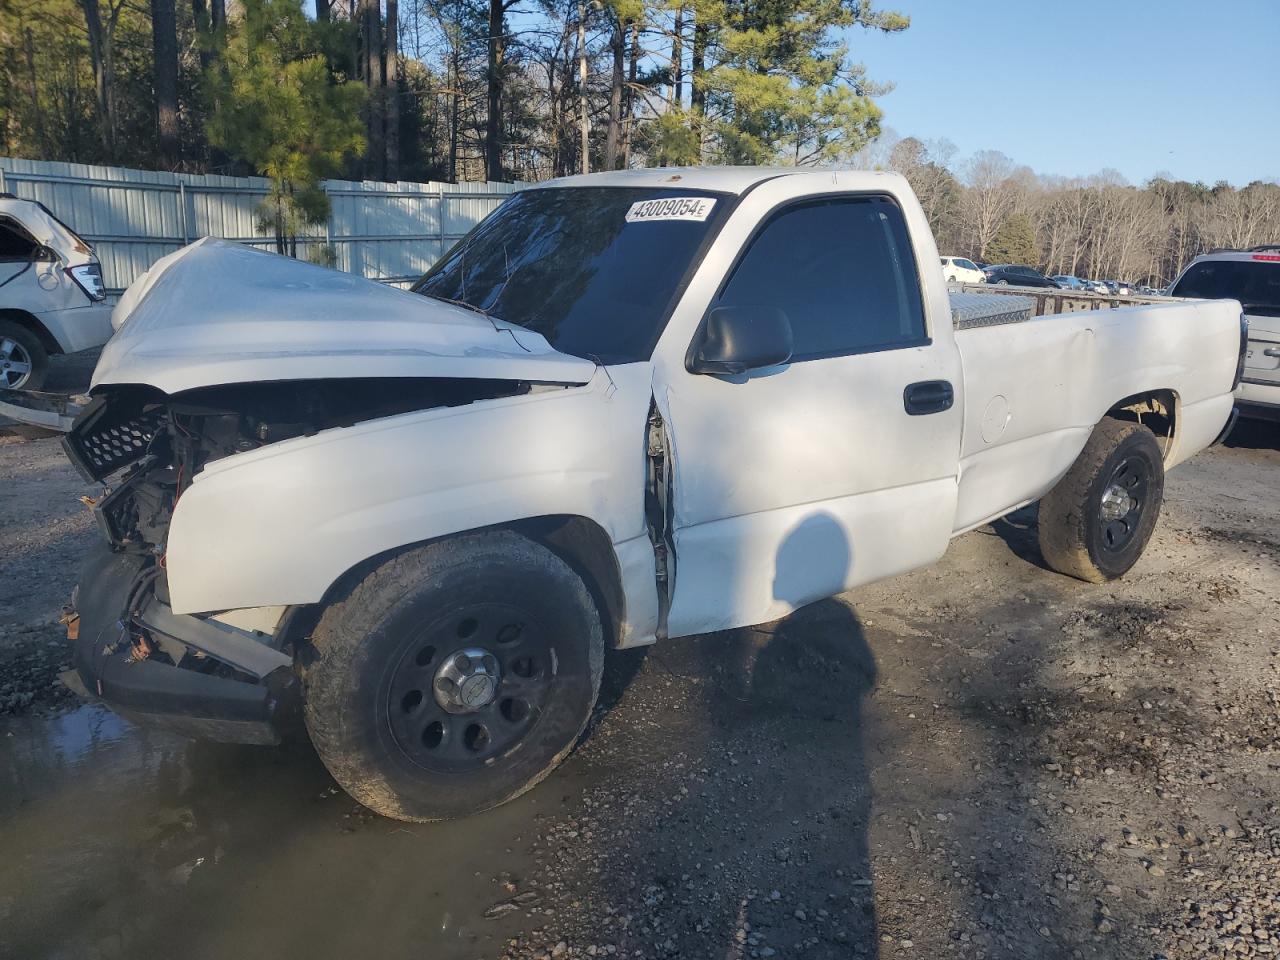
{"type": "Point", "coordinates": [671, 208]}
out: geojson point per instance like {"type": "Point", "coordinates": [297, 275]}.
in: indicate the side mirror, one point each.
{"type": "Point", "coordinates": [738, 339]}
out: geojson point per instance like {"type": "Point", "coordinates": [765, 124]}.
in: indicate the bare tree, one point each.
{"type": "Point", "coordinates": [990, 198]}
{"type": "Point", "coordinates": [102, 57]}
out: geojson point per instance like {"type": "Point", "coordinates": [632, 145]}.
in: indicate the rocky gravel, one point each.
{"type": "Point", "coordinates": [979, 760]}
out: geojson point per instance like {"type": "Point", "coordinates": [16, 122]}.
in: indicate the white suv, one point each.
{"type": "Point", "coordinates": [1253, 278]}
{"type": "Point", "coordinates": [52, 299]}
{"type": "Point", "coordinates": [958, 269]}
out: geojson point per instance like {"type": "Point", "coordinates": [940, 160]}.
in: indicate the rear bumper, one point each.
{"type": "Point", "coordinates": [1258, 401]}
{"type": "Point", "coordinates": [79, 328]}
{"type": "Point", "coordinates": [154, 692]}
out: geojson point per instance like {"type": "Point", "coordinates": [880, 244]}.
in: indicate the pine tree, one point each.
{"type": "Point", "coordinates": [1014, 242]}
{"type": "Point", "coordinates": [772, 82]}
{"type": "Point", "coordinates": [277, 105]}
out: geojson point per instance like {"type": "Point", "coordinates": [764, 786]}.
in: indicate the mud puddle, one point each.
{"type": "Point", "coordinates": [124, 842]}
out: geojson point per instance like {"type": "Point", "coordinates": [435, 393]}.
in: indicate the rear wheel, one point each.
{"type": "Point", "coordinates": [24, 363]}
{"type": "Point", "coordinates": [1097, 521]}
{"type": "Point", "coordinates": [455, 676]}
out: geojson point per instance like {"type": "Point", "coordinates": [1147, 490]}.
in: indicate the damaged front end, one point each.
{"type": "Point", "coordinates": [226, 676]}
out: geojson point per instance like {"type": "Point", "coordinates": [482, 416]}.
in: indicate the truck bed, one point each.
{"type": "Point", "coordinates": [1048, 301]}
{"type": "Point", "coordinates": [1036, 383]}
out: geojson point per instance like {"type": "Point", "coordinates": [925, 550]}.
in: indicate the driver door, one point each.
{"type": "Point", "coordinates": [837, 468]}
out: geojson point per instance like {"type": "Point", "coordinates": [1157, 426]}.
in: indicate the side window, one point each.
{"type": "Point", "coordinates": [15, 245]}
{"type": "Point", "coordinates": [843, 272]}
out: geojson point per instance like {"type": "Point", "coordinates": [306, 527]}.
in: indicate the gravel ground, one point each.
{"type": "Point", "coordinates": [980, 760]}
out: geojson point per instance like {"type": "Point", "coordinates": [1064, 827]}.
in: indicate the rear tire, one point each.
{"type": "Point", "coordinates": [1097, 521]}
{"type": "Point", "coordinates": [24, 363]}
{"type": "Point", "coordinates": [454, 677]}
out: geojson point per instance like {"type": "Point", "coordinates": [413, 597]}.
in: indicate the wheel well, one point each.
{"type": "Point", "coordinates": [585, 546]}
{"type": "Point", "coordinates": [1157, 410]}
{"type": "Point", "coordinates": [29, 322]}
{"type": "Point", "coordinates": [579, 541]}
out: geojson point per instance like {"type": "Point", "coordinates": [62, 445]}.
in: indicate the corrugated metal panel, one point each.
{"type": "Point", "coordinates": [388, 231]}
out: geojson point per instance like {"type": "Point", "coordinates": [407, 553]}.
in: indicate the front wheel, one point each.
{"type": "Point", "coordinates": [1002, 283]}
{"type": "Point", "coordinates": [1096, 522]}
{"type": "Point", "coordinates": [454, 676]}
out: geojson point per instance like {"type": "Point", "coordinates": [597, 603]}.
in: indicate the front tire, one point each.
{"type": "Point", "coordinates": [24, 362]}
{"type": "Point", "coordinates": [1096, 522]}
{"type": "Point", "coordinates": [454, 676]}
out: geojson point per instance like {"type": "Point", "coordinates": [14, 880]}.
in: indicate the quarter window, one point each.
{"type": "Point", "coordinates": [843, 272]}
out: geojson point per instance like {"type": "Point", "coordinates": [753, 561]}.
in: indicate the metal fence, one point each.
{"type": "Point", "coordinates": [386, 231]}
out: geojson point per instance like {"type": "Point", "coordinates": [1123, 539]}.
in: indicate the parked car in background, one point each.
{"type": "Point", "coordinates": [1068, 282]}
{"type": "Point", "coordinates": [1097, 286]}
{"type": "Point", "coordinates": [52, 298]}
{"type": "Point", "coordinates": [1016, 275]}
{"type": "Point", "coordinates": [960, 270]}
{"type": "Point", "coordinates": [1117, 288]}
{"type": "Point", "coordinates": [1253, 278]}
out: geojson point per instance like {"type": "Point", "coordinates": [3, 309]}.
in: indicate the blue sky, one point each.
{"type": "Point", "coordinates": [1186, 87]}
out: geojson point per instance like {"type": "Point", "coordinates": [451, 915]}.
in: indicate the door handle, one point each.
{"type": "Point", "coordinates": [928, 396]}
{"type": "Point", "coordinates": [1271, 352]}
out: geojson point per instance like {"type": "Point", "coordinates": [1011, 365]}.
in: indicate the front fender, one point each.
{"type": "Point", "coordinates": [279, 525]}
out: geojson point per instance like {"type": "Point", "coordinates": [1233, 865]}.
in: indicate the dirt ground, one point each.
{"type": "Point", "coordinates": [979, 760]}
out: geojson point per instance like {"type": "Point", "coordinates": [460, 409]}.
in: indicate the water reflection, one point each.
{"type": "Point", "coordinates": [117, 840]}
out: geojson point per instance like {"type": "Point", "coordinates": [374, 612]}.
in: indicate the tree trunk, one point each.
{"type": "Point", "coordinates": [494, 79]}
{"type": "Point", "coordinates": [322, 11]}
{"type": "Point", "coordinates": [677, 60]}
{"type": "Point", "coordinates": [698, 82]}
{"type": "Point", "coordinates": [584, 119]}
{"type": "Point", "coordinates": [164, 40]}
{"type": "Point", "coordinates": [392, 81]}
{"type": "Point", "coordinates": [374, 80]}
{"type": "Point", "coordinates": [454, 103]}
{"type": "Point", "coordinates": [632, 70]}
{"type": "Point", "coordinates": [101, 60]}
{"type": "Point", "coordinates": [618, 47]}
{"type": "Point", "coordinates": [217, 14]}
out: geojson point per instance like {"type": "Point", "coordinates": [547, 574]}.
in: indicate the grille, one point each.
{"type": "Point", "coordinates": [104, 440]}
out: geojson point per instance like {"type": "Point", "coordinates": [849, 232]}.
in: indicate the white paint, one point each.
{"type": "Point", "coordinates": [790, 484]}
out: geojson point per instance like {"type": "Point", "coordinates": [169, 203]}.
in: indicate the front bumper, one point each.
{"type": "Point", "coordinates": [157, 693]}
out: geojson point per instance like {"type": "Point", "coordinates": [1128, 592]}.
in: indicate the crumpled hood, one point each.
{"type": "Point", "coordinates": [218, 312]}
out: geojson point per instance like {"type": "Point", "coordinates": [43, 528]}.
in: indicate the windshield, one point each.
{"type": "Point", "coordinates": [1255, 284]}
{"type": "Point", "coordinates": [967, 264]}
{"type": "Point", "coordinates": [592, 269]}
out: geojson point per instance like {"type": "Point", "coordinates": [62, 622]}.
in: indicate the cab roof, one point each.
{"type": "Point", "coordinates": [734, 180]}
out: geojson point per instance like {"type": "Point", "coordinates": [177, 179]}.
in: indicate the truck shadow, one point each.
{"type": "Point", "coordinates": [762, 848]}
{"type": "Point", "coordinates": [1249, 434]}
{"type": "Point", "coordinates": [1019, 531]}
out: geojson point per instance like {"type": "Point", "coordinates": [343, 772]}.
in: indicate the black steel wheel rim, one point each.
{"type": "Point", "coordinates": [430, 719]}
{"type": "Point", "coordinates": [1124, 498]}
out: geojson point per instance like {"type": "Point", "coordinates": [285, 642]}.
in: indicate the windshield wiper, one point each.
{"type": "Point", "coordinates": [462, 303]}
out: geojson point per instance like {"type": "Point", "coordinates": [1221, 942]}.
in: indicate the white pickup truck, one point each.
{"type": "Point", "coordinates": [627, 407]}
